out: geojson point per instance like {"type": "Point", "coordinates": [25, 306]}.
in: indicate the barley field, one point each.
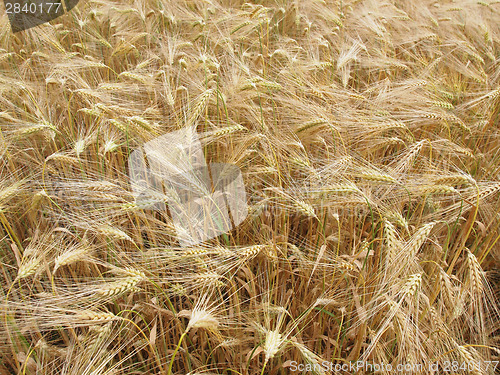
{"type": "Point", "coordinates": [367, 134]}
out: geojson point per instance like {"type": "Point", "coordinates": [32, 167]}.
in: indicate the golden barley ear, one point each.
{"type": "Point", "coordinates": [367, 138]}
